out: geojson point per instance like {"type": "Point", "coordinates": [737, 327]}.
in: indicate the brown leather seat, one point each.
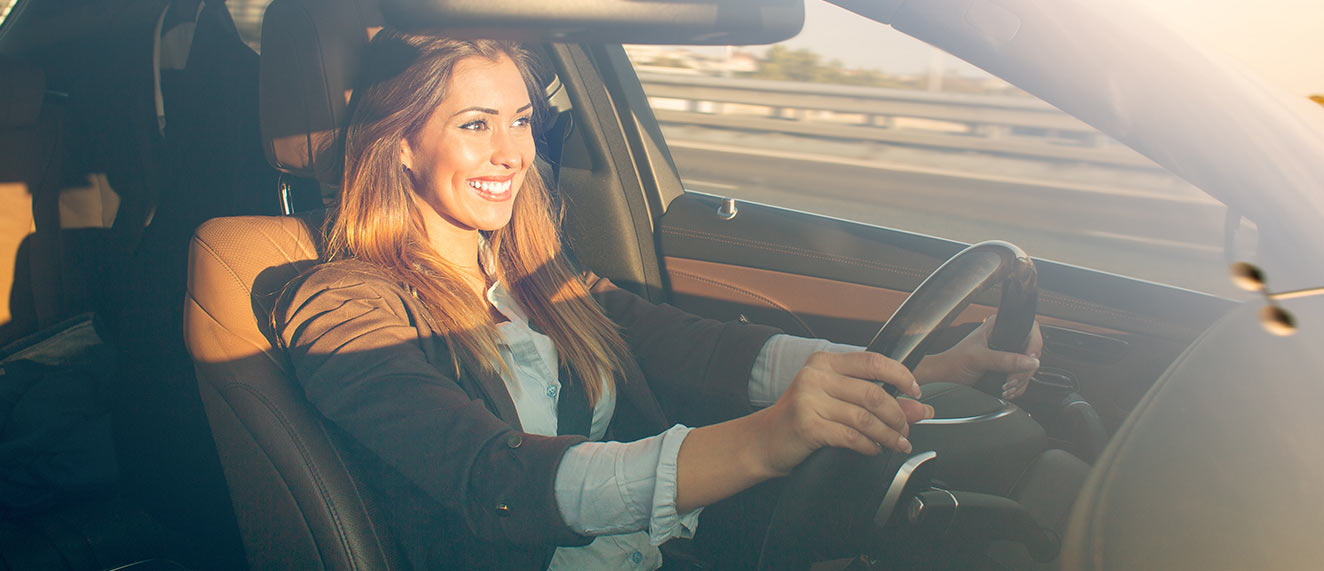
{"type": "Point", "coordinates": [295, 502]}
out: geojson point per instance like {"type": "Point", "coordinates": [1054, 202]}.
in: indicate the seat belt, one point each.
{"type": "Point", "coordinates": [573, 415]}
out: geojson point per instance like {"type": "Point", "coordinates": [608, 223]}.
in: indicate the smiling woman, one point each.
{"type": "Point", "coordinates": [449, 338]}
{"type": "Point", "coordinates": [426, 181]}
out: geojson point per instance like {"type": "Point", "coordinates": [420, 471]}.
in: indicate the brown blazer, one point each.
{"type": "Point", "coordinates": [440, 456]}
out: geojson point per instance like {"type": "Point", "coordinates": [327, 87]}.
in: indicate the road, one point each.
{"type": "Point", "coordinates": [1164, 236]}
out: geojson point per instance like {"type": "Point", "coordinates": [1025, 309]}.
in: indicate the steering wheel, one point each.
{"type": "Point", "coordinates": [836, 490]}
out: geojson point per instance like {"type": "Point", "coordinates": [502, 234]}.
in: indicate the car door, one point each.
{"type": "Point", "coordinates": [683, 191]}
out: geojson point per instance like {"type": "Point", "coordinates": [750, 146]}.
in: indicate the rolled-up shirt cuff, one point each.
{"type": "Point", "coordinates": [780, 359]}
{"type": "Point", "coordinates": [665, 522]}
{"type": "Point", "coordinates": [609, 488]}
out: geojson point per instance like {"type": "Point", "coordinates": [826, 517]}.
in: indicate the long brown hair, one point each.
{"type": "Point", "coordinates": [378, 221]}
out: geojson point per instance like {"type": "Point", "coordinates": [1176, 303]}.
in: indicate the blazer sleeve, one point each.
{"type": "Point", "coordinates": [358, 350]}
{"type": "Point", "coordinates": [697, 368]}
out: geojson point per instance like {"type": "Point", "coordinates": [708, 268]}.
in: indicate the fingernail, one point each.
{"type": "Point", "coordinates": [1006, 385]}
{"type": "Point", "coordinates": [914, 388]}
{"type": "Point", "coordinates": [904, 444]}
{"type": "Point", "coordinates": [929, 412]}
{"type": "Point", "coordinates": [1006, 394]}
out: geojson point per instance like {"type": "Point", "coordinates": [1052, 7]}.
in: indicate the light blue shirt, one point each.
{"type": "Point", "coordinates": [622, 493]}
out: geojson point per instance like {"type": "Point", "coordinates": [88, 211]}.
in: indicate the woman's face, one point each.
{"type": "Point", "coordinates": [470, 158]}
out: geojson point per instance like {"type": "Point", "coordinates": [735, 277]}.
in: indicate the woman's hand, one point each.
{"type": "Point", "coordinates": [971, 358]}
{"type": "Point", "coordinates": [834, 402]}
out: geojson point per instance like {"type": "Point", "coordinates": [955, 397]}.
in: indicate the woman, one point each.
{"type": "Point", "coordinates": [471, 376]}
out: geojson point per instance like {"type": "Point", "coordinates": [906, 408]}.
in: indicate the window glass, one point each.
{"type": "Point", "coordinates": [5, 7]}
{"type": "Point", "coordinates": [247, 16]}
{"type": "Point", "coordinates": [855, 120]}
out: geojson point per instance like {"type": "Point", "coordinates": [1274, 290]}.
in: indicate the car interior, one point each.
{"type": "Point", "coordinates": [162, 183]}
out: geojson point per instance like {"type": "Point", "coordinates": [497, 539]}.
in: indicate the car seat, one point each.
{"type": "Point", "coordinates": [296, 503]}
{"type": "Point", "coordinates": [209, 163]}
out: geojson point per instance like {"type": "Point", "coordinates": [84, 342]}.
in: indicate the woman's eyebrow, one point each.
{"type": "Point", "coordinates": [489, 110]}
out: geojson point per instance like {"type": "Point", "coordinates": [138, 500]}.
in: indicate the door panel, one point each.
{"type": "Point", "coordinates": [821, 277]}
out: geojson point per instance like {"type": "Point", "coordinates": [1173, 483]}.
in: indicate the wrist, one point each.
{"type": "Point", "coordinates": [930, 370]}
{"type": "Point", "coordinates": [760, 460]}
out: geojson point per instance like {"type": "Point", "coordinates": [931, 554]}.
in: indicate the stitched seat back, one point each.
{"type": "Point", "coordinates": [294, 499]}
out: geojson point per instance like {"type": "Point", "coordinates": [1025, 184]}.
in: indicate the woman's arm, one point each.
{"type": "Point", "coordinates": [834, 401]}
{"type": "Point", "coordinates": [649, 484]}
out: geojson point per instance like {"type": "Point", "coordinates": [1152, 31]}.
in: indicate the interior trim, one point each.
{"type": "Point", "coordinates": [805, 299]}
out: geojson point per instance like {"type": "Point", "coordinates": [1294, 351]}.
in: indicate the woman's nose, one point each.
{"type": "Point", "coordinates": [507, 150]}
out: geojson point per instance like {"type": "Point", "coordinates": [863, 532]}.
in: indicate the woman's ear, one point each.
{"type": "Point", "coordinates": [406, 155]}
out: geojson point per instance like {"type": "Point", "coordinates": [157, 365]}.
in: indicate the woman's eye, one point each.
{"type": "Point", "coordinates": [523, 122]}
{"type": "Point", "coordinates": [475, 125]}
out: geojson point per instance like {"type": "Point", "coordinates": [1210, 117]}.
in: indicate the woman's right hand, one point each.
{"type": "Point", "coordinates": [835, 401]}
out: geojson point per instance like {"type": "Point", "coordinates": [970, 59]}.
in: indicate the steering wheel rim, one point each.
{"type": "Point", "coordinates": [840, 477]}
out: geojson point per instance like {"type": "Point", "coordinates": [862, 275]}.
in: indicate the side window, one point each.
{"type": "Point", "coordinates": [247, 16]}
{"type": "Point", "coordinates": [854, 120]}
{"type": "Point", "coordinates": [5, 7]}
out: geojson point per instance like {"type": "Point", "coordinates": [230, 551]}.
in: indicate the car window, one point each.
{"type": "Point", "coordinates": [247, 16]}
{"type": "Point", "coordinates": [854, 120]}
{"type": "Point", "coordinates": [5, 7]}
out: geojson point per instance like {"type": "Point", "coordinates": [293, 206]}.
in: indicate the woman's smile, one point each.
{"type": "Point", "coordinates": [496, 189]}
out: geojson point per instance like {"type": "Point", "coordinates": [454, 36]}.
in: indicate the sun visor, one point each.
{"type": "Point", "coordinates": [311, 51]}
{"type": "Point", "coordinates": [703, 22]}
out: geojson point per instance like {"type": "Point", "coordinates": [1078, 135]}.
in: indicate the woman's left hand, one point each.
{"type": "Point", "coordinates": [966, 362]}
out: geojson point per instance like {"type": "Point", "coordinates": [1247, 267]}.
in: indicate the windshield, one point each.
{"type": "Point", "coordinates": [904, 135]}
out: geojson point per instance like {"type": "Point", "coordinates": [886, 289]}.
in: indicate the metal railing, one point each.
{"type": "Point", "coordinates": [1004, 125]}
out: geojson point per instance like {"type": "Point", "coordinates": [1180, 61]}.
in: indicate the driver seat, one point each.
{"type": "Point", "coordinates": [296, 503]}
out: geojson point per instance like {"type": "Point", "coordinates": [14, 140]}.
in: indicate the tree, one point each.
{"type": "Point", "coordinates": [785, 64]}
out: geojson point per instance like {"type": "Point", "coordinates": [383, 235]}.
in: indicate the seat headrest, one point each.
{"type": "Point", "coordinates": [20, 93]}
{"type": "Point", "coordinates": [311, 51]}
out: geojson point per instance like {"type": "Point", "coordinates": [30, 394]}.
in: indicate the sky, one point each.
{"type": "Point", "coordinates": [1282, 41]}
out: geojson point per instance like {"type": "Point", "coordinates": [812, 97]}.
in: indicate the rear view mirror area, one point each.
{"type": "Point", "coordinates": [703, 22]}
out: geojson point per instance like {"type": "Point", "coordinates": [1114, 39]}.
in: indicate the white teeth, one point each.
{"type": "Point", "coordinates": [490, 187]}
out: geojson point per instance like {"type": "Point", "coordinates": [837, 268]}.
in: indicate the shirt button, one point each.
{"type": "Point", "coordinates": [637, 557]}
{"type": "Point", "coordinates": [514, 441]}
{"type": "Point", "coordinates": [503, 510]}
{"type": "Point", "coordinates": [552, 390]}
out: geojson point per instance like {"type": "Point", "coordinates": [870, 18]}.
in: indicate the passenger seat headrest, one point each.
{"type": "Point", "coordinates": [311, 53]}
{"type": "Point", "coordinates": [21, 93]}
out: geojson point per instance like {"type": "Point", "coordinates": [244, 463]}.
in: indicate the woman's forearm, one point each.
{"type": "Point", "coordinates": [835, 400]}
{"type": "Point", "coordinates": [721, 460]}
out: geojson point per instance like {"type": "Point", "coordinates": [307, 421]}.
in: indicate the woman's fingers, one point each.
{"type": "Point", "coordinates": [861, 414]}
{"type": "Point", "coordinates": [837, 400]}
{"type": "Point", "coordinates": [867, 366]}
{"type": "Point", "coordinates": [1010, 363]}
